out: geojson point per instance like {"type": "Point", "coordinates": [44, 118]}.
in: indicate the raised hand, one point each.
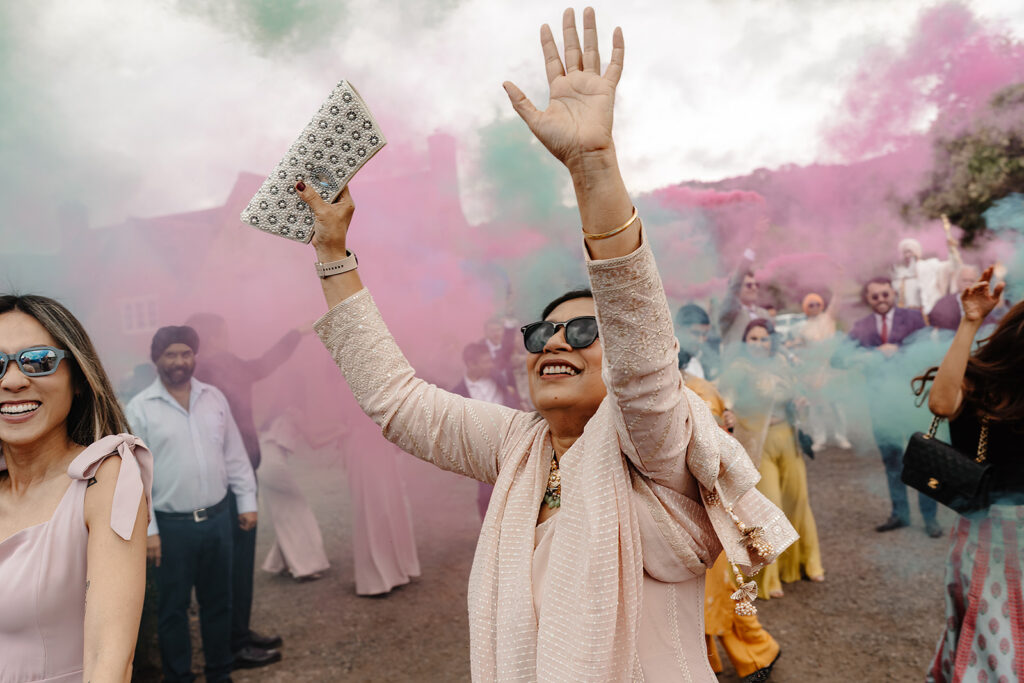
{"type": "Point", "coordinates": [577, 123]}
{"type": "Point", "coordinates": [330, 231]}
{"type": "Point", "coordinates": [979, 299]}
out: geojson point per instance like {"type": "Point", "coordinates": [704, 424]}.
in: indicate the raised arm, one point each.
{"type": "Point", "coordinates": [946, 395]}
{"type": "Point", "coordinates": [450, 431]}
{"type": "Point", "coordinates": [640, 359]}
{"type": "Point", "coordinates": [275, 356]}
{"type": "Point", "coordinates": [638, 339]}
{"type": "Point", "coordinates": [576, 128]}
{"type": "Point", "coordinates": [731, 303]}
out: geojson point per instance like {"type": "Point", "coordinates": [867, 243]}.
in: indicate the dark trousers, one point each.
{"type": "Point", "coordinates": [195, 554]}
{"type": "Point", "coordinates": [243, 569]}
{"type": "Point", "coordinates": [892, 458]}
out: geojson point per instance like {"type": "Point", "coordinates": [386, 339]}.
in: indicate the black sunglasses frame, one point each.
{"type": "Point", "coordinates": [5, 361]}
{"type": "Point", "coordinates": [527, 330]}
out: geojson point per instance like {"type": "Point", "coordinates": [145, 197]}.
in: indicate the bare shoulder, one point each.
{"type": "Point", "coordinates": [99, 495]}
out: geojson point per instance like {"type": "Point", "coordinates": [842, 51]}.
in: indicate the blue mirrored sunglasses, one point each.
{"type": "Point", "coordinates": [35, 361]}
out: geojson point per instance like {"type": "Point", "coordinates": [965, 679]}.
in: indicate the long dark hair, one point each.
{"type": "Point", "coordinates": [95, 412]}
{"type": "Point", "coordinates": [994, 378]}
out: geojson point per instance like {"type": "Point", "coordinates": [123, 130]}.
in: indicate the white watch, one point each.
{"type": "Point", "coordinates": [350, 262]}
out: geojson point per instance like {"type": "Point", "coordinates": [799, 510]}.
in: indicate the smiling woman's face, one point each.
{"type": "Point", "coordinates": [31, 408]}
{"type": "Point", "coordinates": [562, 377]}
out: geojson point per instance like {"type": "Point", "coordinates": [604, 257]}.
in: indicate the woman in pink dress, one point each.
{"type": "Point", "coordinates": [298, 544]}
{"type": "Point", "coordinates": [74, 505]}
{"type": "Point", "coordinates": [383, 544]}
{"type": "Point", "coordinates": [613, 498]}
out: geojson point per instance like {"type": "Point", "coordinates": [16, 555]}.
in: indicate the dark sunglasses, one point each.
{"type": "Point", "coordinates": [579, 333]}
{"type": "Point", "coordinates": [880, 296]}
{"type": "Point", "coordinates": [36, 361]}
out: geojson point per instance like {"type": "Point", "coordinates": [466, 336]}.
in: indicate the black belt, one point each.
{"type": "Point", "coordinates": [200, 515]}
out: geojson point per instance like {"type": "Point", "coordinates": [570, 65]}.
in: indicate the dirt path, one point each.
{"type": "Point", "coordinates": [877, 617]}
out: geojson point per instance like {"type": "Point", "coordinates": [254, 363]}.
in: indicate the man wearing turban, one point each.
{"type": "Point", "coordinates": [198, 455]}
{"type": "Point", "coordinates": [921, 282]}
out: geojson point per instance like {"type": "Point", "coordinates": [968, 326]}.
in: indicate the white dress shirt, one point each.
{"type": "Point", "coordinates": [485, 389]}
{"type": "Point", "coordinates": [197, 454]}
{"type": "Point", "coordinates": [694, 368]}
{"type": "Point", "coordinates": [923, 283]}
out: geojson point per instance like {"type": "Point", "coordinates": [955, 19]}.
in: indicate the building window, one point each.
{"type": "Point", "coordinates": [139, 315]}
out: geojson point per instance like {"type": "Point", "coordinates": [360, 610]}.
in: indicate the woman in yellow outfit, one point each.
{"type": "Point", "coordinates": [750, 648]}
{"type": "Point", "coordinates": [765, 391]}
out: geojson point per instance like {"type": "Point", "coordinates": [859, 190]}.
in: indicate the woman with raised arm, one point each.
{"type": "Point", "coordinates": [981, 395]}
{"type": "Point", "coordinates": [74, 505]}
{"type": "Point", "coordinates": [612, 499]}
{"type": "Point", "coordinates": [764, 393]}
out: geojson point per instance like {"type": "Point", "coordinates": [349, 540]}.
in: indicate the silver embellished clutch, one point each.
{"type": "Point", "coordinates": [341, 138]}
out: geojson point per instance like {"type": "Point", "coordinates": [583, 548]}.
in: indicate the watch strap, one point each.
{"type": "Point", "coordinates": [350, 262]}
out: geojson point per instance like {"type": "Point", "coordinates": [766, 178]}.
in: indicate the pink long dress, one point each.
{"type": "Point", "coordinates": [383, 544]}
{"type": "Point", "coordinates": [298, 543]}
{"type": "Point", "coordinates": [43, 569]}
{"type": "Point", "coordinates": [611, 588]}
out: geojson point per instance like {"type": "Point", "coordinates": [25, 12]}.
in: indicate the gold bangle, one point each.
{"type": "Point", "coordinates": [616, 231]}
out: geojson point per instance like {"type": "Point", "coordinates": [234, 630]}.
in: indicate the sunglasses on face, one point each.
{"type": "Point", "coordinates": [880, 296]}
{"type": "Point", "coordinates": [579, 333]}
{"type": "Point", "coordinates": [36, 361]}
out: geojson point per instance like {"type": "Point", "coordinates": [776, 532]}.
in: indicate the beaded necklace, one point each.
{"type": "Point", "coordinates": [553, 494]}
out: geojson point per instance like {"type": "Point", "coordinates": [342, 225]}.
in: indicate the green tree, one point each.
{"type": "Point", "coordinates": [977, 165]}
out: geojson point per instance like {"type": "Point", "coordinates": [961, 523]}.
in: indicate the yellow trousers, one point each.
{"type": "Point", "coordinates": [748, 646]}
{"type": "Point", "coordinates": [784, 482]}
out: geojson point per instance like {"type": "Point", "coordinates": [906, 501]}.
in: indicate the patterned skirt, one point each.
{"type": "Point", "coordinates": [984, 637]}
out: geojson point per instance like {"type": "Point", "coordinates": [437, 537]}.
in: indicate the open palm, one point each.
{"type": "Point", "coordinates": [578, 119]}
{"type": "Point", "coordinates": [978, 299]}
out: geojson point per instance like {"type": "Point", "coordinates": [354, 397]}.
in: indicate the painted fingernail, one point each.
{"type": "Point", "coordinates": [300, 186]}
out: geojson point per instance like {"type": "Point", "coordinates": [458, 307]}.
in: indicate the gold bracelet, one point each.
{"type": "Point", "coordinates": [616, 231]}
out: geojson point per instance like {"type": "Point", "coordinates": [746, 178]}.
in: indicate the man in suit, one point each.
{"type": "Point", "coordinates": [484, 382]}
{"type": "Point", "coordinates": [740, 304]}
{"type": "Point", "coordinates": [882, 334]}
{"type": "Point", "coordinates": [948, 311]}
{"type": "Point", "coordinates": [500, 337]}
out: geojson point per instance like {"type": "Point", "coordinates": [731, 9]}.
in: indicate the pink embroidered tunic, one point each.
{"type": "Point", "coordinates": [43, 569]}
{"type": "Point", "coordinates": [611, 587]}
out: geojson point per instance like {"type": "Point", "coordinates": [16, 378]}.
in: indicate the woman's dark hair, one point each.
{"type": "Point", "coordinates": [767, 325]}
{"type": "Point", "coordinates": [95, 412]}
{"type": "Point", "coordinates": [582, 293]}
{"type": "Point", "coordinates": [692, 314]}
{"type": "Point", "coordinates": [994, 378]}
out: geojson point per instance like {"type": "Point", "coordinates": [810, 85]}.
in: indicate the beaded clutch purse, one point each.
{"type": "Point", "coordinates": [340, 138]}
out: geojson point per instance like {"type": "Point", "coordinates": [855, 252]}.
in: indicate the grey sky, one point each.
{"type": "Point", "coordinates": [146, 108]}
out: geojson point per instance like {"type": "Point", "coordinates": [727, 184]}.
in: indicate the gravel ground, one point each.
{"type": "Point", "coordinates": [877, 617]}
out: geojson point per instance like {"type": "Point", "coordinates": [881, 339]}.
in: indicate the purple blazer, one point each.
{"type": "Point", "coordinates": [946, 313]}
{"type": "Point", "coordinates": [905, 322]}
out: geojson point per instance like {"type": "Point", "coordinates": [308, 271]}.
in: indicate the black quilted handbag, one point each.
{"type": "Point", "coordinates": [943, 473]}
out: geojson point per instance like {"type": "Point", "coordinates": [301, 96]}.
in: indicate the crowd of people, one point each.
{"type": "Point", "coordinates": [641, 473]}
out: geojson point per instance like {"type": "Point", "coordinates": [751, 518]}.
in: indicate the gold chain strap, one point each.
{"type": "Point", "coordinates": [983, 441]}
{"type": "Point", "coordinates": [982, 437]}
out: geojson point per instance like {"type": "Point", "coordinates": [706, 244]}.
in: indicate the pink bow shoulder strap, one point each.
{"type": "Point", "coordinates": [134, 479]}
